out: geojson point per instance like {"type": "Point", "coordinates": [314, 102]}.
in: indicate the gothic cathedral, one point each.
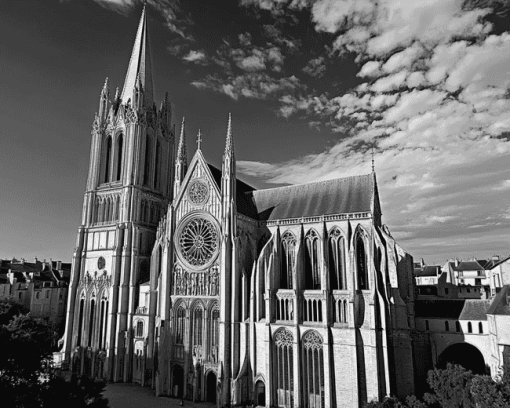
{"type": "Point", "coordinates": [187, 280]}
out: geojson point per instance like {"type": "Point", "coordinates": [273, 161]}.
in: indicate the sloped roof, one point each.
{"type": "Point", "coordinates": [467, 266]}
{"type": "Point", "coordinates": [339, 196]}
{"type": "Point", "coordinates": [500, 304]}
{"type": "Point", "coordinates": [429, 270]}
{"type": "Point", "coordinates": [458, 309]}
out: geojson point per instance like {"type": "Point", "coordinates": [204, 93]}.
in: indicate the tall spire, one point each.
{"type": "Point", "coordinates": [140, 66]}
{"type": "Point", "coordinates": [182, 154]}
{"type": "Point", "coordinates": [229, 145]}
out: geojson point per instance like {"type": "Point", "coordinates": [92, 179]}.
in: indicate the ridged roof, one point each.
{"type": "Point", "coordinates": [459, 309]}
{"type": "Point", "coordinates": [339, 196]}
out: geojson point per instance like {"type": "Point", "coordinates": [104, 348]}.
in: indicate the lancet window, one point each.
{"type": "Point", "coordinates": [312, 270]}
{"type": "Point", "coordinates": [313, 369]}
{"type": "Point", "coordinates": [284, 368]}
{"type": "Point", "coordinates": [288, 260]}
{"type": "Point", "coordinates": [80, 321]}
{"type": "Point", "coordinates": [337, 274]}
{"type": "Point", "coordinates": [147, 163]}
{"type": "Point", "coordinates": [120, 141]}
{"type": "Point", "coordinates": [139, 329]}
{"type": "Point", "coordinates": [361, 263]}
{"type": "Point", "coordinates": [103, 322]}
{"type": "Point", "coordinates": [215, 333]}
{"type": "Point", "coordinates": [107, 161]}
{"type": "Point", "coordinates": [197, 326]}
{"type": "Point", "coordinates": [91, 321]}
{"type": "Point", "coordinates": [157, 170]}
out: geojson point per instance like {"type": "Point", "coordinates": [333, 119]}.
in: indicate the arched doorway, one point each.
{"type": "Point", "coordinates": [260, 393]}
{"type": "Point", "coordinates": [211, 387]}
{"type": "Point", "coordinates": [463, 354]}
{"type": "Point", "coordinates": [177, 381]}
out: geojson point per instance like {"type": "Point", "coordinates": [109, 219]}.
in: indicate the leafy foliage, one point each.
{"type": "Point", "coordinates": [27, 378]}
{"type": "Point", "coordinates": [456, 387]}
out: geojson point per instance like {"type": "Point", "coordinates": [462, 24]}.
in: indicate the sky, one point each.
{"type": "Point", "coordinates": [313, 88]}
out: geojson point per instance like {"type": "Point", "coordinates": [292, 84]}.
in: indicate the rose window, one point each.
{"type": "Point", "coordinates": [198, 241]}
{"type": "Point", "coordinates": [198, 192]}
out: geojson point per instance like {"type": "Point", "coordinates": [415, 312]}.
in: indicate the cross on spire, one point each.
{"type": "Point", "coordinates": [199, 139]}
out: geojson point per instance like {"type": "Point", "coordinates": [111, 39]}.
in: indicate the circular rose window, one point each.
{"type": "Point", "coordinates": [198, 241]}
{"type": "Point", "coordinates": [198, 192]}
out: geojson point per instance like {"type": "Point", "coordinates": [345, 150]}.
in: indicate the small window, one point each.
{"type": "Point", "coordinates": [427, 325]}
{"type": "Point", "coordinates": [468, 290]}
{"type": "Point", "coordinates": [446, 291]}
{"type": "Point", "coordinates": [446, 326]}
{"type": "Point", "coordinates": [37, 295]}
{"type": "Point", "coordinates": [480, 327]}
{"type": "Point", "coordinates": [47, 294]}
{"type": "Point", "coordinates": [470, 328]}
{"type": "Point", "coordinates": [139, 329]}
{"type": "Point", "coordinates": [457, 326]}
{"type": "Point", "coordinates": [19, 295]}
{"type": "Point", "coordinates": [60, 294]}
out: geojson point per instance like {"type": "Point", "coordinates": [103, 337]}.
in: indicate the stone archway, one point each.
{"type": "Point", "coordinates": [211, 387]}
{"type": "Point", "coordinates": [177, 381]}
{"type": "Point", "coordinates": [260, 393]}
{"type": "Point", "coordinates": [464, 354]}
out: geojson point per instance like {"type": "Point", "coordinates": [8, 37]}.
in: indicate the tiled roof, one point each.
{"type": "Point", "coordinates": [458, 309]}
{"type": "Point", "coordinates": [467, 266]}
{"type": "Point", "coordinates": [431, 270]}
{"type": "Point", "coordinates": [500, 304]}
{"type": "Point", "coordinates": [339, 196]}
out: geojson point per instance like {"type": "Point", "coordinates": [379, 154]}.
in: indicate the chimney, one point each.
{"type": "Point", "coordinates": [35, 259]}
{"type": "Point", "coordinates": [59, 265]}
{"type": "Point", "coordinates": [495, 258]}
{"type": "Point", "coordinates": [456, 262]}
{"type": "Point", "coordinates": [422, 262]}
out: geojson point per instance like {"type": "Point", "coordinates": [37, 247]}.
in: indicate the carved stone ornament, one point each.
{"type": "Point", "coordinates": [283, 338]}
{"type": "Point", "coordinates": [110, 128]}
{"type": "Point", "coordinates": [312, 340]}
{"type": "Point", "coordinates": [151, 118]}
{"type": "Point", "coordinates": [131, 115]}
{"type": "Point", "coordinates": [101, 263]}
{"type": "Point", "coordinates": [96, 126]}
{"type": "Point", "coordinates": [198, 192]}
{"type": "Point", "coordinates": [196, 283]}
{"type": "Point", "coordinates": [198, 241]}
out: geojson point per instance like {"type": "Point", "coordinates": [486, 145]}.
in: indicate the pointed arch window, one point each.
{"type": "Point", "coordinates": [480, 328]}
{"type": "Point", "coordinates": [215, 333]}
{"type": "Point", "coordinates": [313, 369]}
{"type": "Point", "coordinates": [312, 270]}
{"type": "Point", "coordinates": [197, 326]}
{"type": "Point", "coordinates": [361, 263]}
{"type": "Point", "coordinates": [158, 164]}
{"type": "Point", "coordinates": [147, 163]}
{"type": "Point", "coordinates": [288, 260]}
{"type": "Point", "coordinates": [120, 142]}
{"type": "Point", "coordinates": [283, 340]}
{"type": "Point", "coordinates": [80, 321]}
{"type": "Point", "coordinates": [179, 329]}
{"type": "Point", "coordinates": [107, 161]}
{"type": "Point", "coordinates": [337, 274]}
{"type": "Point", "coordinates": [470, 327]}
{"type": "Point", "coordinates": [91, 321]}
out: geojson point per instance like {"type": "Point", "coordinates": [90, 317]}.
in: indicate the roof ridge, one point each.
{"type": "Point", "coordinates": [312, 183]}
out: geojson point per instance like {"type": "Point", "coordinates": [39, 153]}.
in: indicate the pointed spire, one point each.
{"type": "Point", "coordinates": [229, 145]}
{"type": "Point", "coordinates": [182, 154]}
{"type": "Point", "coordinates": [103, 100]}
{"type": "Point", "coordinates": [140, 67]}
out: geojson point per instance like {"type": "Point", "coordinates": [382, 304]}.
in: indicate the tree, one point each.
{"type": "Point", "coordinates": [27, 377]}
{"type": "Point", "coordinates": [451, 387]}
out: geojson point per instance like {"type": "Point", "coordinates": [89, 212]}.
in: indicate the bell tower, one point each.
{"type": "Point", "coordinates": [129, 185]}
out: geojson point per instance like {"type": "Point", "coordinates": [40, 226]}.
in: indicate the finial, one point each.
{"type": "Point", "coordinates": [373, 162]}
{"type": "Point", "coordinates": [229, 145]}
{"type": "Point", "coordinates": [199, 139]}
{"type": "Point", "coordinates": [105, 83]}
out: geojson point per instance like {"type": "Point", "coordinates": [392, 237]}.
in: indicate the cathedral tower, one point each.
{"type": "Point", "coordinates": [129, 185]}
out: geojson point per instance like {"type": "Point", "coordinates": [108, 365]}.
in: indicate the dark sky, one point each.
{"type": "Point", "coordinates": [311, 86]}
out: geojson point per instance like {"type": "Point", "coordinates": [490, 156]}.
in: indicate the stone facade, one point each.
{"type": "Point", "coordinates": [186, 279]}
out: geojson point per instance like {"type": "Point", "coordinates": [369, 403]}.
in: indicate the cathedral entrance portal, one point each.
{"type": "Point", "coordinates": [177, 381]}
{"type": "Point", "coordinates": [211, 387]}
{"type": "Point", "coordinates": [260, 391]}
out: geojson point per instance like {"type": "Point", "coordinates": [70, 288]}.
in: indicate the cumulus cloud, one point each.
{"type": "Point", "coordinates": [196, 57]}
{"type": "Point", "coordinates": [315, 67]}
{"type": "Point", "coordinates": [434, 102]}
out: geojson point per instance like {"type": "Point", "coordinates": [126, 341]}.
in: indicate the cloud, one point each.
{"type": "Point", "coordinates": [252, 85]}
{"type": "Point", "coordinates": [315, 67]}
{"type": "Point", "coordinates": [434, 102]}
{"type": "Point", "coordinates": [196, 57]}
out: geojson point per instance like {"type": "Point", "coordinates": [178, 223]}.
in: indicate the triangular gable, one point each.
{"type": "Point", "coordinates": [198, 169]}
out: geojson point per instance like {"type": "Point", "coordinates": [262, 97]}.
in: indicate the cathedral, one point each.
{"type": "Point", "coordinates": [188, 280]}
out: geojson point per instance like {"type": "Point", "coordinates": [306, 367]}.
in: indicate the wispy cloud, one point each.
{"type": "Point", "coordinates": [196, 57]}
